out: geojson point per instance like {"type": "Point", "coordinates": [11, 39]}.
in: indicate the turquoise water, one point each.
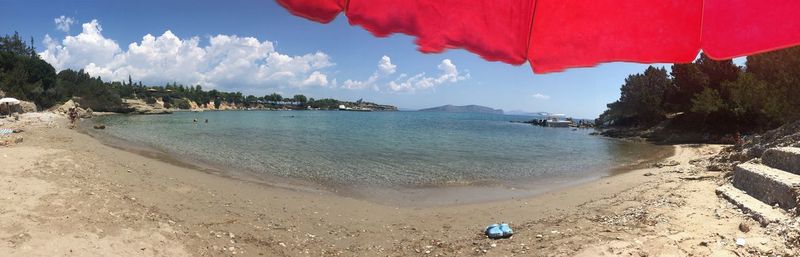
{"type": "Point", "coordinates": [380, 149]}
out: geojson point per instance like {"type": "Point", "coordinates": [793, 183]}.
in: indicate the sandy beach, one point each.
{"type": "Point", "coordinates": [64, 193]}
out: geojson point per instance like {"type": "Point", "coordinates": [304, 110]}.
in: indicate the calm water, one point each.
{"type": "Point", "coordinates": [381, 149]}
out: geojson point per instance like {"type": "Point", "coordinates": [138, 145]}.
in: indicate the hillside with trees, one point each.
{"type": "Point", "coordinates": [25, 76]}
{"type": "Point", "coordinates": [708, 100]}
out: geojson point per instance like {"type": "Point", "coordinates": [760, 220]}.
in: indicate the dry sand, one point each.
{"type": "Point", "coordinates": [63, 193]}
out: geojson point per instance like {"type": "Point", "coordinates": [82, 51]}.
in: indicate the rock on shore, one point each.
{"type": "Point", "coordinates": [754, 146]}
{"type": "Point", "coordinates": [141, 107]}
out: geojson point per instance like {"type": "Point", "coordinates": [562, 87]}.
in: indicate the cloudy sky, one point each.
{"type": "Point", "coordinates": [256, 47]}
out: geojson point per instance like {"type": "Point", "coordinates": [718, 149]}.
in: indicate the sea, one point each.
{"type": "Point", "coordinates": [403, 157]}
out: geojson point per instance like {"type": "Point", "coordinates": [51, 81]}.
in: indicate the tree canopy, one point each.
{"type": "Point", "coordinates": [713, 95]}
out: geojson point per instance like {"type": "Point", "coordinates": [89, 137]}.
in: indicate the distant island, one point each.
{"type": "Point", "coordinates": [463, 109]}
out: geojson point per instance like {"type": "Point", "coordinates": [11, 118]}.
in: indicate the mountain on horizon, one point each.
{"type": "Point", "coordinates": [463, 109]}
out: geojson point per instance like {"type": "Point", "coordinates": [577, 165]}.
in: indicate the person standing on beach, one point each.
{"type": "Point", "coordinates": [73, 116]}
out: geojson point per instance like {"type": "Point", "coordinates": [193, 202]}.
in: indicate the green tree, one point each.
{"type": "Point", "coordinates": [14, 45]}
{"type": "Point", "coordinates": [707, 102]}
{"type": "Point", "coordinates": [301, 99]}
{"type": "Point", "coordinates": [779, 70]}
{"type": "Point", "coordinates": [642, 94]}
{"type": "Point", "coordinates": [274, 97]}
{"type": "Point", "coordinates": [23, 75]}
{"type": "Point", "coordinates": [687, 80]}
{"type": "Point", "coordinates": [717, 72]}
{"type": "Point", "coordinates": [749, 95]}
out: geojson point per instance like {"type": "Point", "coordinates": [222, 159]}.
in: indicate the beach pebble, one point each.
{"type": "Point", "coordinates": [740, 241]}
{"type": "Point", "coordinates": [539, 236]}
{"type": "Point", "coordinates": [744, 227]}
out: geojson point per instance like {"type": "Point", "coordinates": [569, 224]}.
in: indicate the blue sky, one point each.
{"type": "Point", "coordinates": [291, 55]}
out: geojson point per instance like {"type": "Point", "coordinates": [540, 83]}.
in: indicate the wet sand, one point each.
{"type": "Point", "coordinates": [66, 194]}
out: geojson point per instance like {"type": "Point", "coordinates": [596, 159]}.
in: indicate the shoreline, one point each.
{"type": "Point", "coordinates": [68, 194]}
{"type": "Point", "coordinates": [202, 166]}
{"type": "Point", "coordinates": [451, 194]}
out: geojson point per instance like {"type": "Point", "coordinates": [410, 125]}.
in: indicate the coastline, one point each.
{"type": "Point", "coordinates": [69, 194]}
{"type": "Point", "coordinates": [455, 193]}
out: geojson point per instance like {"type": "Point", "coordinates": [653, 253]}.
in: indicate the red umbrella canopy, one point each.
{"type": "Point", "coordinates": [555, 34]}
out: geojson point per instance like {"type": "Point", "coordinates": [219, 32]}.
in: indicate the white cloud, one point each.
{"type": "Point", "coordinates": [385, 66]}
{"type": "Point", "coordinates": [357, 84]}
{"type": "Point", "coordinates": [227, 62]}
{"type": "Point", "coordinates": [541, 96]}
{"type": "Point", "coordinates": [79, 51]}
{"type": "Point", "coordinates": [449, 74]}
{"type": "Point", "coordinates": [404, 83]}
{"type": "Point", "coordinates": [316, 79]}
{"type": "Point", "coordinates": [64, 23]}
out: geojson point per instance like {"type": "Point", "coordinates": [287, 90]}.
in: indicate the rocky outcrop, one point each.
{"type": "Point", "coordinates": [64, 109]}
{"type": "Point", "coordinates": [159, 104]}
{"type": "Point", "coordinates": [26, 107]}
{"type": "Point", "coordinates": [141, 107]}
{"type": "Point", "coordinates": [380, 107]}
{"type": "Point", "coordinates": [193, 105]}
{"type": "Point", "coordinates": [754, 146]}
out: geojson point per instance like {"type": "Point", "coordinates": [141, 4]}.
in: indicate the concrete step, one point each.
{"type": "Point", "coordinates": [760, 211]}
{"type": "Point", "coordinates": [783, 158]}
{"type": "Point", "coordinates": [771, 186]}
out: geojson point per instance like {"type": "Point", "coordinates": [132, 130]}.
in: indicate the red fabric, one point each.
{"type": "Point", "coordinates": [496, 30]}
{"type": "Point", "coordinates": [578, 33]}
{"type": "Point", "coordinates": [733, 28]}
{"type": "Point", "coordinates": [322, 11]}
{"type": "Point", "coordinates": [574, 33]}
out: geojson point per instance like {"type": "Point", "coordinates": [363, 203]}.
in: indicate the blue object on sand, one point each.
{"type": "Point", "coordinates": [507, 232]}
{"type": "Point", "coordinates": [493, 231]}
